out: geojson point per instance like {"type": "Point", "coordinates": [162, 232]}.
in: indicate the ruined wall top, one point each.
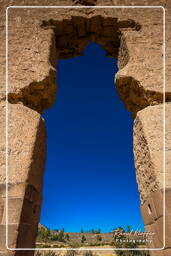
{"type": "Point", "coordinates": [32, 44]}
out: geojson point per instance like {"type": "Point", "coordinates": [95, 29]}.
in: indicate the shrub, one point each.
{"type": "Point", "coordinates": [44, 234]}
{"type": "Point", "coordinates": [83, 239]}
{"type": "Point", "coordinates": [67, 237]}
{"type": "Point", "coordinates": [61, 236]}
{"type": "Point", "coordinates": [99, 238]}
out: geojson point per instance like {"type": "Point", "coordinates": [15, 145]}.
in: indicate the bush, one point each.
{"type": "Point", "coordinates": [83, 239]}
{"type": "Point", "coordinates": [67, 237]}
{"type": "Point", "coordinates": [99, 238]}
{"type": "Point", "coordinates": [44, 234]}
{"type": "Point", "coordinates": [61, 236]}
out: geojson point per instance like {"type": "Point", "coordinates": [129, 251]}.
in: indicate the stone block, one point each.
{"type": "Point", "coordinates": [168, 231]}
{"type": "Point", "coordinates": [146, 215]}
{"type": "Point", "coordinates": [168, 201]}
{"type": "Point", "coordinates": [94, 24]}
{"type": "Point", "coordinates": [24, 210]}
{"type": "Point", "coordinates": [152, 209]}
{"type": "Point", "coordinates": [26, 146]}
{"type": "Point", "coordinates": [159, 229]}
{"type": "Point", "coordinates": [156, 237]}
{"type": "Point", "coordinates": [16, 190]}
{"type": "Point", "coordinates": [14, 210]}
{"type": "Point", "coordinates": [7, 253]}
{"type": "Point", "coordinates": [80, 24]}
{"type": "Point", "coordinates": [12, 236]}
{"type": "Point", "coordinates": [109, 31]}
{"type": "Point", "coordinates": [3, 189]}
{"type": "Point", "coordinates": [22, 236]}
{"type": "Point", "coordinates": [167, 252]}
{"type": "Point", "coordinates": [157, 253]}
{"type": "Point", "coordinates": [110, 21]}
{"type": "Point", "coordinates": [156, 203]}
{"type": "Point", "coordinates": [148, 150]}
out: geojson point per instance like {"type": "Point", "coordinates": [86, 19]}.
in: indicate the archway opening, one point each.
{"type": "Point", "coordinates": [90, 181]}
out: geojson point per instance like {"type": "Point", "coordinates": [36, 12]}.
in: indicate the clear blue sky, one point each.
{"type": "Point", "coordinates": [90, 176]}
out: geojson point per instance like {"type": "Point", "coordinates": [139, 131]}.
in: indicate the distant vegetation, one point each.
{"type": "Point", "coordinates": [46, 235]}
{"type": "Point", "coordinates": [125, 244]}
{"type": "Point", "coordinates": [61, 239]}
{"type": "Point", "coordinates": [68, 253]}
{"type": "Point", "coordinates": [90, 253]}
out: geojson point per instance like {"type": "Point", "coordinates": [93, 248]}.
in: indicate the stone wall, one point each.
{"type": "Point", "coordinates": [37, 38]}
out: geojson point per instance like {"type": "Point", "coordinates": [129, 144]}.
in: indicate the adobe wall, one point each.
{"type": "Point", "coordinates": [37, 38]}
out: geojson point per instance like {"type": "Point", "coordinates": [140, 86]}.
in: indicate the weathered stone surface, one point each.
{"type": "Point", "coordinates": [148, 153]}
{"type": "Point", "coordinates": [148, 149]}
{"type": "Point", "coordinates": [26, 150]}
{"type": "Point", "coordinates": [152, 209]}
{"type": "Point", "coordinates": [12, 236]}
{"type": "Point", "coordinates": [36, 39]}
{"type": "Point", "coordinates": [32, 86]}
{"type": "Point", "coordinates": [26, 146]}
{"type": "Point", "coordinates": [147, 18]}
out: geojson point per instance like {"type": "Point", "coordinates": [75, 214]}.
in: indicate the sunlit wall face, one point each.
{"type": "Point", "coordinates": [90, 176]}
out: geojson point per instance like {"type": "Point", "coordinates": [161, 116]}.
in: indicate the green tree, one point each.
{"type": "Point", "coordinates": [82, 230]}
{"type": "Point", "coordinates": [61, 236]}
{"type": "Point", "coordinates": [98, 231]}
{"type": "Point", "coordinates": [83, 239]}
{"type": "Point", "coordinates": [67, 237]}
{"type": "Point", "coordinates": [54, 237]}
{"type": "Point", "coordinates": [44, 234]}
{"type": "Point", "coordinates": [99, 238]}
{"type": "Point", "coordinates": [128, 228]}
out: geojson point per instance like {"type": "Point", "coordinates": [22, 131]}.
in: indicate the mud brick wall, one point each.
{"type": "Point", "coordinates": [37, 39]}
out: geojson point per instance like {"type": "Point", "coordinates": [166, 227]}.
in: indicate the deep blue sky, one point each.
{"type": "Point", "coordinates": [90, 176]}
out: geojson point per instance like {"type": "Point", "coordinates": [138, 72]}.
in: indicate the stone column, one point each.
{"type": "Point", "coordinates": [149, 162]}
{"type": "Point", "coordinates": [31, 89]}
{"type": "Point", "coordinates": [26, 161]}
